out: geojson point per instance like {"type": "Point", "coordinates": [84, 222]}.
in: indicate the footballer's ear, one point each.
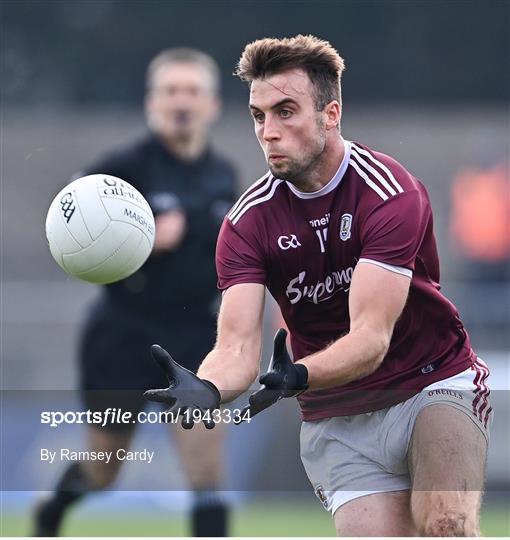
{"type": "Point", "coordinates": [333, 113]}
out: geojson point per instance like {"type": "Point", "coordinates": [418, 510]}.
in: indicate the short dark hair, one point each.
{"type": "Point", "coordinates": [183, 55]}
{"type": "Point", "coordinates": [317, 57]}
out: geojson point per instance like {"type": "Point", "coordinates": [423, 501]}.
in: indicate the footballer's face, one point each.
{"type": "Point", "coordinates": [181, 104]}
{"type": "Point", "coordinates": [291, 132]}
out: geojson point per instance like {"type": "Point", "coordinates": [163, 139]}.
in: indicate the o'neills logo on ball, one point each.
{"type": "Point", "coordinates": [117, 188]}
{"type": "Point", "coordinates": [67, 205]}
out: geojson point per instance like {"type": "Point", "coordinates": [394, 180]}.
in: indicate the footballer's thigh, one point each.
{"type": "Point", "coordinates": [377, 514]}
{"type": "Point", "coordinates": [101, 473]}
{"type": "Point", "coordinates": [355, 469]}
{"type": "Point", "coordinates": [447, 458]}
{"type": "Point", "coordinates": [201, 452]}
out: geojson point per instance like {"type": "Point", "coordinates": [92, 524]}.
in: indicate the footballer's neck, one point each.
{"type": "Point", "coordinates": [325, 168]}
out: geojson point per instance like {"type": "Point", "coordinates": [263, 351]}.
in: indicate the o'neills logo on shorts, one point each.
{"type": "Point", "coordinates": [445, 392]}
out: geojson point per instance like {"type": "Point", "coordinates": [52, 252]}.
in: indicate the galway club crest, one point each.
{"type": "Point", "coordinates": [345, 227]}
{"type": "Point", "coordinates": [319, 491]}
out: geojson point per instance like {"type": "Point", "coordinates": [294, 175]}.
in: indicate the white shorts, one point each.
{"type": "Point", "coordinates": [347, 457]}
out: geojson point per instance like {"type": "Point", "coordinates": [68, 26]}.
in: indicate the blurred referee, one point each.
{"type": "Point", "coordinates": [171, 300]}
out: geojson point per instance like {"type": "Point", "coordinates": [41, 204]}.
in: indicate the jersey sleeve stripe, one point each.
{"type": "Point", "coordinates": [369, 182]}
{"type": "Point", "coordinates": [381, 165]}
{"type": "Point", "coordinates": [254, 202]}
{"type": "Point", "coordinates": [392, 268]}
{"type": "Point", "coordinates": [365, 165]}
{"type": "Point", "coordinates": [250, 191]}
{"type": "Point", "coordinates": [251, 194]}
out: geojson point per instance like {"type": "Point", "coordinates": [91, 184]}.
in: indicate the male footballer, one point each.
{"type": "Point", "coordinates": [394, 402]}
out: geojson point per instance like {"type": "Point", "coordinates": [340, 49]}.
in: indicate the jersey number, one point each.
{"type": "Point", "coordinates": [322, 235]}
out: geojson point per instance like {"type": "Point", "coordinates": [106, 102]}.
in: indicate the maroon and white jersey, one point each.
{"type": "Point", "coordinates": [304, 247]}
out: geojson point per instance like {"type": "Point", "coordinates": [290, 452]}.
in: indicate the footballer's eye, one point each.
{"type": "Point", "coordinates": [258, 117]}
{"type": "Point", "coordinates": [285, 113]}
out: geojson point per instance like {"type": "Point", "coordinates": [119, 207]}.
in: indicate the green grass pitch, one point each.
{"type": "Point", "coordinates": [250, 520]}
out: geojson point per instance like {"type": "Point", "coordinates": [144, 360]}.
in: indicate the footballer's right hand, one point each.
{"type": "Point", "coordinates": [186, 392]}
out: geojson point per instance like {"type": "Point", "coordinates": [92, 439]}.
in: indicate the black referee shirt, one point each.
{"type": "Point", "coordinates": [182, 280]}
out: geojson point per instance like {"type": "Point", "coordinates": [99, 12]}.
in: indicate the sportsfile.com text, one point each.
{"type": "Point", "coordinates": [118, 416]}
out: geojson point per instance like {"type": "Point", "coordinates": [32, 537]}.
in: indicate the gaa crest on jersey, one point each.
{"type": "Point", "coordinates": [345, 227]}
{"type": "Point", "coordinates": [287, 242]}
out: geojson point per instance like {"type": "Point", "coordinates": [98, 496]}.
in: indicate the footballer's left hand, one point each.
{"type": "Point", "coordinates": [186, 392]}
{"type": "Point", "coordinates": [283, 379]}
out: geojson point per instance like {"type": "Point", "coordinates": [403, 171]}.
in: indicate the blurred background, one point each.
{"type": "Point", "coordinates": [426, 82]}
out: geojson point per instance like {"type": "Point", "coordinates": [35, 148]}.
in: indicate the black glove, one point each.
{"type": "Point", "coordinates": [283, 379]}
{"type": "Point", "coordinates": [185, 392]}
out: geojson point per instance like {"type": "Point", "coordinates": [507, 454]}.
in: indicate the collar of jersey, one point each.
{"type": "Point", "coordinates": [332, 184]}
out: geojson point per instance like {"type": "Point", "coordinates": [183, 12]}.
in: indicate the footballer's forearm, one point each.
{"type": "Point", "coordinates": [376, 299]}
{"type": "Point", "coordinates": [352, 357]}
{"type": "Point", "coordinates": [231, 370]}
{"type": "Point", "coordinates": [234, 362]}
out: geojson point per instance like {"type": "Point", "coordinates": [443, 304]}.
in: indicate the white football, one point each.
{"type": "Point", "coordinates": [100, 229]}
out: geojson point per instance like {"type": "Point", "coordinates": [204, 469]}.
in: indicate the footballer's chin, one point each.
{"type": "Point", "coordinates": [277, 165]}
{"type": "Point", "coordinates": [281, 168]}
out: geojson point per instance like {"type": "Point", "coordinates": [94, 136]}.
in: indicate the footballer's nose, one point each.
{"type": "Point", "coordinates": [270, 130]}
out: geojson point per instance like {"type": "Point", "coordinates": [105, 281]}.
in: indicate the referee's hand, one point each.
{"type": "Point", "coordinates": [185, 393]}
{"type": "Point", "coordinates": [283, 379]}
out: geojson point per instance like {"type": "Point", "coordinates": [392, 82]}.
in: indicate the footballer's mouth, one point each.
{"type": "Point", "coordinates": [275, 157]}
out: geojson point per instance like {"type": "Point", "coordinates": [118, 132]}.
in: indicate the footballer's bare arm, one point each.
{"type": "Point", "coordinates": [377, 297]}
{"type": "Point", "coordinates": [234, 363]}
